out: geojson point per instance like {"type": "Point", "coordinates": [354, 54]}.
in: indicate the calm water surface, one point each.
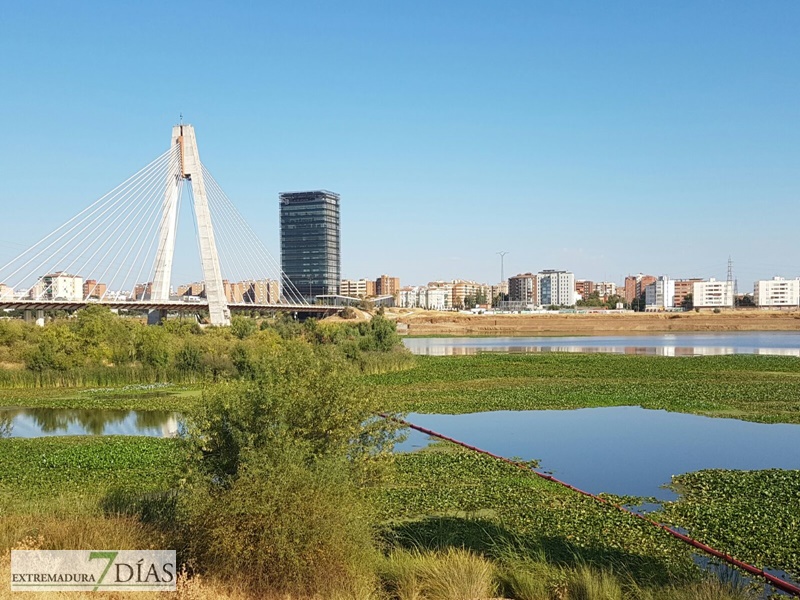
{"type": "Point", "coordinates": [40, 422]}
{"type": "Point", "coordinates": [669, 344]}
{"type": "Point", "coordinates": [620, 450]}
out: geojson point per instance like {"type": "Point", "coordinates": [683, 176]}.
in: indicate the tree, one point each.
{"type": "Point", "coordinates": [688, 302]}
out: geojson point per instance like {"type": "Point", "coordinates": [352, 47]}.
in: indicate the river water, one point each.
{"type": "Point", "coordinates": [623, 450]}
{"type": "Point", "coordinates": [41, 422]}
{"type": "Point", "coordinates": [783, 343]}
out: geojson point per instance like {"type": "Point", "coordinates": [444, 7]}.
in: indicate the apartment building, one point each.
{"type": "Point", "coordinates": [635, 286]}
{"type": "Point", "coordinates": [584, 288]}
{"type": "Point", "coordinates": [712, 294]}
{"type": "Point", "coordinates": [683, 287]}
{"type": "Point", "coordinates": [358, 288]}
{"type": "Point", "coordinates": [387, 286]}
{"type": "Point", "coordinates": [660, 294]}
{"type": "Point", "coordinates": [605, 289]}
{"type": "Point", "coordinates": [6, 292]}
{"type": "Point", "coordinates": [555, 288]}
{"type": "Point", "coordinates": [523, 288]}
{"type": "Point", "coordinates": [92, 289]}
{"type": "Point", "coordinates": [777, 293]}
{"type": "Point", "coordinates": [234, 292]}
{"type": "Point", "coordinates": [58, 286]}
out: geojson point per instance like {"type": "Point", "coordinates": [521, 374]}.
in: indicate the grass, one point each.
{"type": "Point", "coordinates": [755, 388]}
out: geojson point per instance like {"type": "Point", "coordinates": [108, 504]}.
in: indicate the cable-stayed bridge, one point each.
{"type": "Point", "coordinates": [119, 251]}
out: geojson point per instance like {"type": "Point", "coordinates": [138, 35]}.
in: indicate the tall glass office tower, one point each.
{"type": "Point", "coordinates": [310, 248]}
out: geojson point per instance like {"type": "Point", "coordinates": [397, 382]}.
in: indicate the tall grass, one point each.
{"type": "Point", "coordinates": [451, 574]}
{"type": "Point", "coordinates": [97, 376]}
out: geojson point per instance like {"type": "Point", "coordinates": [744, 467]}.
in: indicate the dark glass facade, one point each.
{"type": "Point", "coordinates": [310, 247]}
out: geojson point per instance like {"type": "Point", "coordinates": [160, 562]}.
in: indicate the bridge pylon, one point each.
{"type": "Point", "coordinates": [189, 168]}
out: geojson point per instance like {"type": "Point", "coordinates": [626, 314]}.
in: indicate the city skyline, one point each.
{"type": "Point", "coordinates": [606, 140]}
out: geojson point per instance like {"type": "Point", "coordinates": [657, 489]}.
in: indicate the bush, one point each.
{"type": "Point", "coordinates": [348, 312]}
{"type": "Point", "coordinates": [276, 465]}
{"type": "Point", "coordinates": [286, 526]}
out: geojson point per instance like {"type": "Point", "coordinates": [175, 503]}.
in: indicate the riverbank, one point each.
{"type": "Point", "coordinates": [432, 323]}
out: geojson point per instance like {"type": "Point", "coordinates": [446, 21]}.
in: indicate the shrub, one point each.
{"type": "Point", "coordinates": [286, 526]}
{"type": "Point", "coordinates": [277, 462]}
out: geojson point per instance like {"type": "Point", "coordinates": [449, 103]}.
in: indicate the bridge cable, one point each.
{"type": "Point", "coordinates": [149, 234]}
{"type": "Point", "coordinates": [120, 217]}
{"type": "Point", "coordinates": [110, 203]}
{"type": "Point", "coordinates": [287, 287]}
{"type": "Point", "coordinates": [99, 201]}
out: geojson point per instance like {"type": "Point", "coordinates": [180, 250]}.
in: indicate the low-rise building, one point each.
{"type": "Point", "coordinates": [712, 294]}
{"type": "Point", "coordinates": [777, 293]}
{"type": "Point", "coordinates": [6, 292]}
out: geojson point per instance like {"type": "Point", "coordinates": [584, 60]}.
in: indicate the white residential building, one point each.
{"type": "Point", "coordinates": [777, 292]}
{"type": "Point", "coordinates": [712, 294]}
{"type": "Point", "coordinates": [58, 286]}
{"type": "Point", "coordinates": [6, 292]}
{"type": "Point", "coordinates": [408, 297]}
{"type": "Point", "coordinates": [660, 294]}
{"type": "Point", "coordinates": [555, 288]}
{"type": "Point", "coordinates": [438, 298]}
{"type": "Point", "coordinates": [605, 288]}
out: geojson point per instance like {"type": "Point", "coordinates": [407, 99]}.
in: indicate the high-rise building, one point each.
{"type": "Point", "coordinates": [310, 246]}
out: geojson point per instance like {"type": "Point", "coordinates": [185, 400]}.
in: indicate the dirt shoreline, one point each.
{"type": "Point", "coordinates": [424, 323]}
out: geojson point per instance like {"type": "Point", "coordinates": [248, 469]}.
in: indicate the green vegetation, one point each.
{"type": "Point", "coordinates": [285, 482]}
{"type": "Point", "coordinates": [100, 349]}
{"type": "Point", "coordinates": [755, 388]}
{"type": "Point", "coordinates": [753, 515]}
{"type": "Point", "coordinates": [447, 496]}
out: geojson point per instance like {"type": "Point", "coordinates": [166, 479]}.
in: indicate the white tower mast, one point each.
{"type": "Point", "coordinates": [191, 170]}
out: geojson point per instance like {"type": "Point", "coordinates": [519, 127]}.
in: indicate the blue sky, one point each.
{"type": "Point", "coordinates": [604, 138]}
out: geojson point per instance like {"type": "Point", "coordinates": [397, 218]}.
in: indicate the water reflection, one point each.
{"type": "Point", "coordinates": [778, 343]}
{"type": "Point", "coordinates": [622, 450]}
{"type": "Point", "coordinates": [40, 422]}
